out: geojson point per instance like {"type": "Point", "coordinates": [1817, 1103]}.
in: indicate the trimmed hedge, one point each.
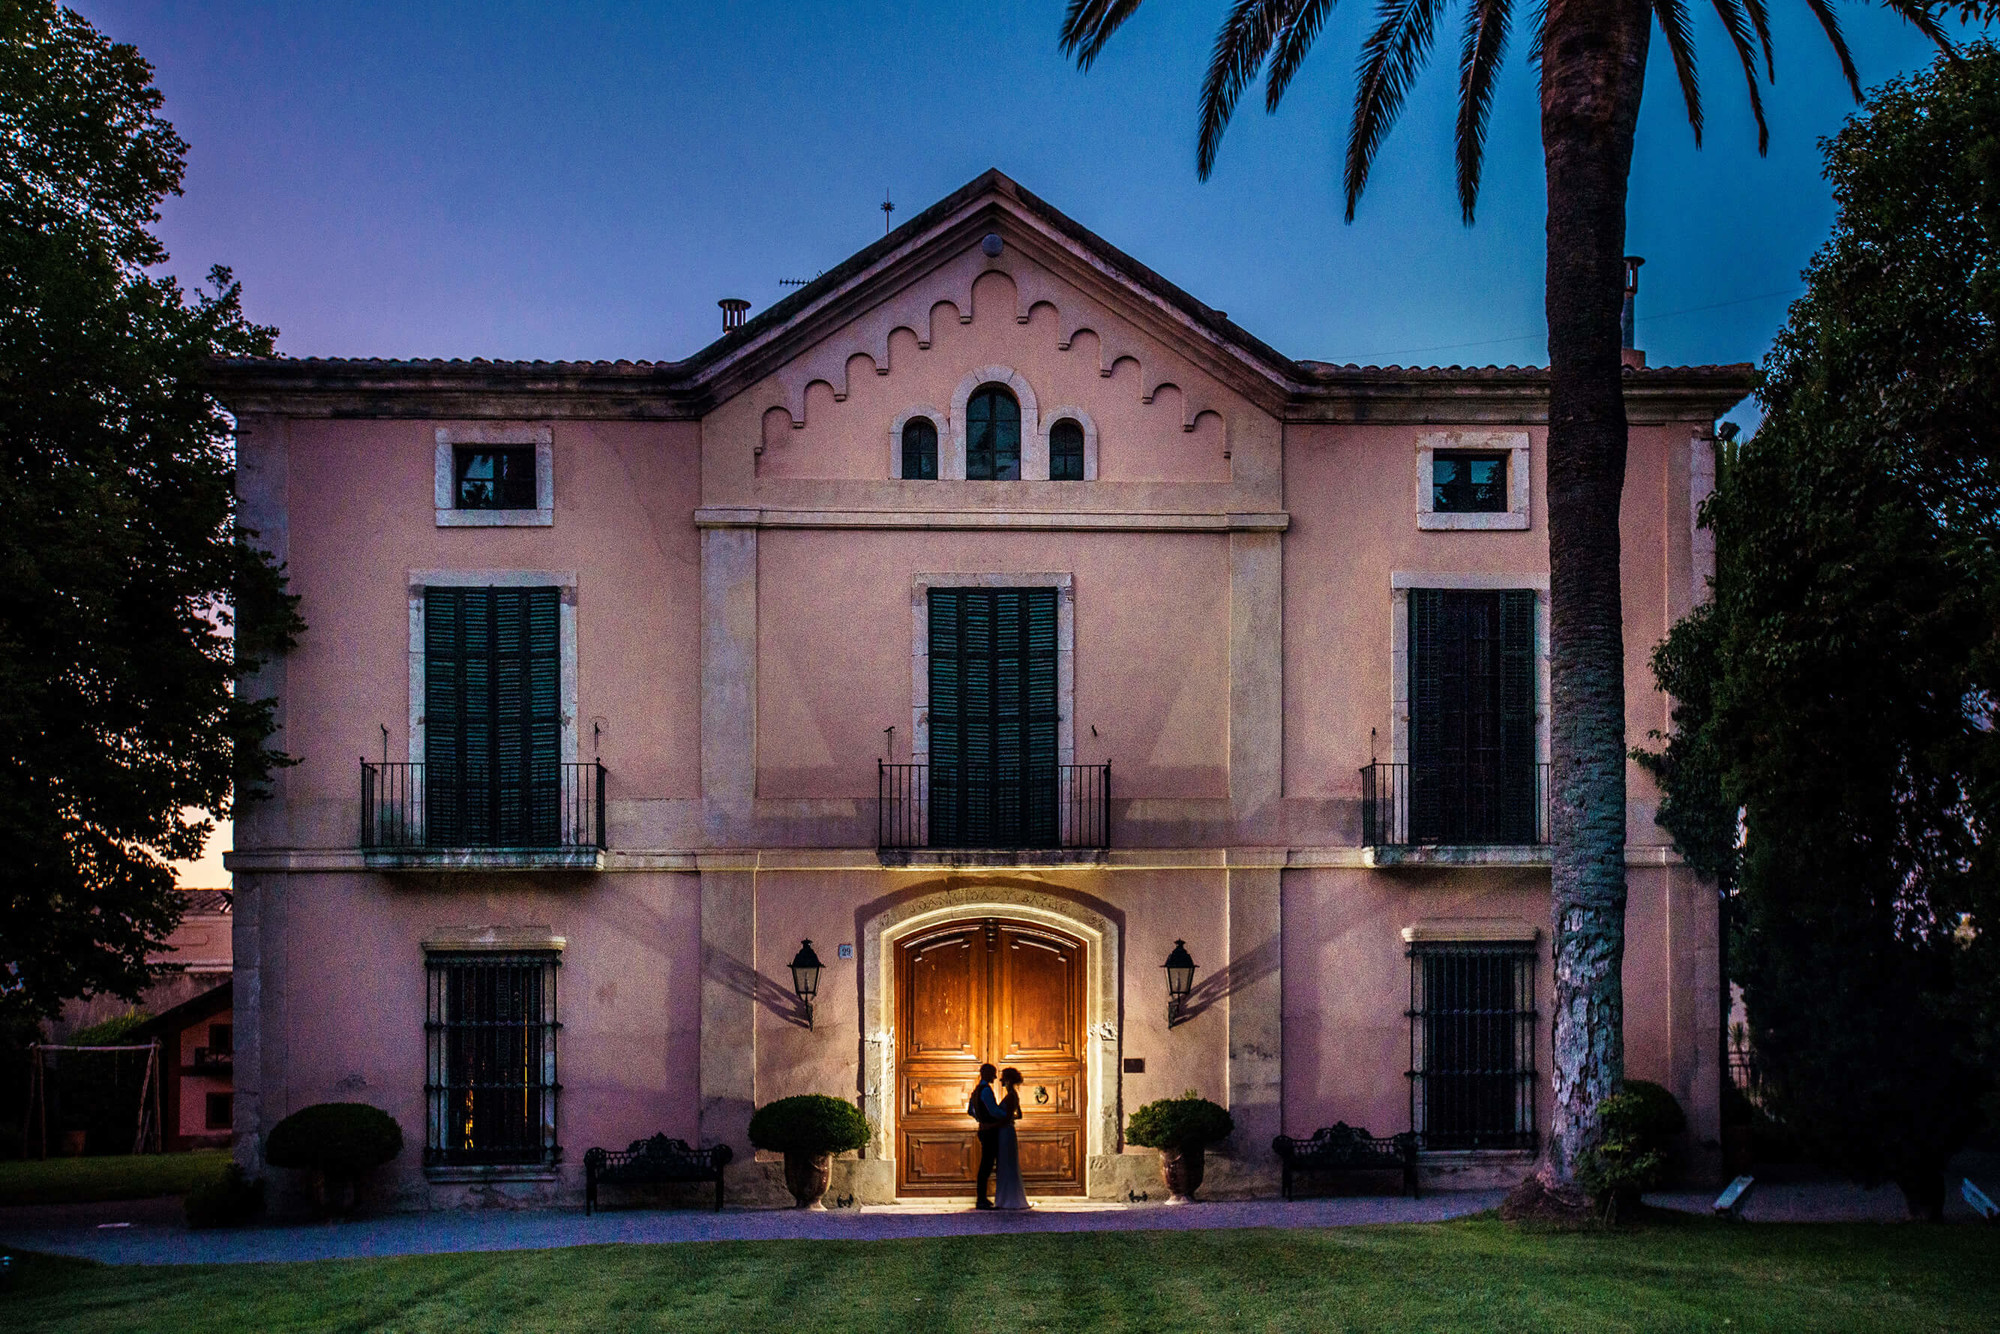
{"type": "Point", "coordinates": [1187, 1122]}
{"type": "Point", "coordinates": [340, 1139]}
{"type": "Point", "coordinates": [811, 1123]}
{"type": "Point", "coordinates": [1637, 1153]}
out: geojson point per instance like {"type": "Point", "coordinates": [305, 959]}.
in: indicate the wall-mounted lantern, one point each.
{"type": "Point", "coordinates": [805, 977]}
{"type": "Point", "coordinates": [1180, 982]}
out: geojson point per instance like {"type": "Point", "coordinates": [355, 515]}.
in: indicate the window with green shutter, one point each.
{"type": "Point", "coordinates": [492, 717]}
{"type": "Point", "coordinates": [1473, 776]}
{"type": "Point", "coordinates": [993, 717]}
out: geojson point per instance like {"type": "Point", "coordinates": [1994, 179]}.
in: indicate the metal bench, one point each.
{"type": "Point", "coordinates": [652, 1160]}
{"type": "Point", "coordinates": [1343, 1148]}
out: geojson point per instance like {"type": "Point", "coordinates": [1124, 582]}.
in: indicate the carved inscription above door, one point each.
{"type": "Point", "coordinates": [988, 990]}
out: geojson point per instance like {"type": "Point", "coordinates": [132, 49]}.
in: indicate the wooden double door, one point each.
{"type": "Point", "coordinates": [988, 991]}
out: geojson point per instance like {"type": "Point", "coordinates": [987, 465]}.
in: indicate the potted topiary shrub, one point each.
{"type": "Point", "coordinates": [1181, 1129]}
{"type": "Point", "coordinates": [339, 1143]}
{"type": "Point", "coordinates": [809, 1129]}
{"type": "Point", "coordinates": [1641, 1124]}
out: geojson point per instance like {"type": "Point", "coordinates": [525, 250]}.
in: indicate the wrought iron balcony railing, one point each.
{"type": "Point", "coordinates": [991, 806]}
{"type": "Point", "coordinates": [212, 1061]}
{"type": "Point", "coordinates": [437, 808]}
{"type": "Point", "coordinates": [1446, 805]}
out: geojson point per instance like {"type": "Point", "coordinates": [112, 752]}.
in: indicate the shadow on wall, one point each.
{"type": "Point", "coordinates": [1233, 977]}
{"type": "Point", "coordinates": [744, 980]}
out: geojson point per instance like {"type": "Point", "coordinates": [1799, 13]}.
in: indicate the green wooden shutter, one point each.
{"type": "Point", "coordinates": [1426, 816]}
{"type": "Point", "coordinates": [993, 716]}
{"type": "Point", "coordinates": [1519, 772]}
{"type": "Point", "coordinates": [493, 716]}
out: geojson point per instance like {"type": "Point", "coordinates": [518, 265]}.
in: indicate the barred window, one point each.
{"type": "Point", "coordinates": [491, 1070]}
{"type": "Point", "coordinates": [1472, 1045]}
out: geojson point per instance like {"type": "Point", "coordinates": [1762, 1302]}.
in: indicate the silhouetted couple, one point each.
{"type": "Point", "coordinates": [998, 1147]}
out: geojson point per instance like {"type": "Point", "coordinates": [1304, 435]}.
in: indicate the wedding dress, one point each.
{"type": "Point", "coordinates": [1008, 1193]}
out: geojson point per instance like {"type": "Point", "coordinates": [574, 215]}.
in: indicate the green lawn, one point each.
{"type": "Point", "coordinates": [1473, 1275]}
{"type": "Point", "coordinates": [112, 1177]}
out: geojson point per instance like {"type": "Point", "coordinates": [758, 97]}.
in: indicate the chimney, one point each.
{"type": "Point", "coordinates": [1628, 354]}
{"type": "Point", "coordinates": [733, 308]}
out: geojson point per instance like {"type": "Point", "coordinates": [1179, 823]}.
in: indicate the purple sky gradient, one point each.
{"type": "Point", "coordinates": [584, 181]}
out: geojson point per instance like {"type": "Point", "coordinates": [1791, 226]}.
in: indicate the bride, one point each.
{"type": "Point", "coordinates": [1008, 1192]}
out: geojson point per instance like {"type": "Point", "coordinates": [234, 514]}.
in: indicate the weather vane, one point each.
{"type": "Point", "coordinates": [887, 209]}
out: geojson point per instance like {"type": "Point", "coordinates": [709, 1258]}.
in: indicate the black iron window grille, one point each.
{"type": "Point", "coordinates": [1467, 483]}
{"type": "Point", "coordinates": [493, 479]}
{"type": "Point", "coordinates": [992, 435]}
{"type": "Point", "coordinates": [1066, 451]}
{"type": "Point", "coordinates": [920, 450]}
{"type": "Point", "coordinates": [490, 1083]}
{"type": "Point", "coordinates": [1472, 1045]}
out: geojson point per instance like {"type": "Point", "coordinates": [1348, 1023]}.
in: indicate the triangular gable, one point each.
{"type": "Point", "coordinates": [1045, 252]}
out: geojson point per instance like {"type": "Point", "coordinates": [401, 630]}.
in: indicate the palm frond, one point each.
{"type": "Point", "coordinates": [1674, 26]}
{"type": "Point", "coordinates": [1918, 15]}
{"type": "Point", "coordinates": [1297, 39]}
{"type": "Point", "coordinates": [1088, 24]}
{"type": "Point", "coordinates": [1390, 59]}
{"type": "Point", "coordinates": [1831, 24]}
{"type": "Point", "coordinates": [1479, 60]}
{"type": "Point", "coordinates": [1540, 14]}
{"type": "Point", "coordinates": [1731, 13]}
{"type": "Point", "coordinates": [1241, 46]}
{"type": "Point", "coordinates": [1760, 22]}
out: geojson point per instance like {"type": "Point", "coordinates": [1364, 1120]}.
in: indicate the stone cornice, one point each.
{"type": "Point", "coordinates": [1014, 520]}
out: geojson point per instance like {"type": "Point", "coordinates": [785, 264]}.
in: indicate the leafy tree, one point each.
{"type": "Point", "coordinates": [1842, 688]}
{"type": "Point", "coordinates": [1592, 60]}
{"type": "Point", "coordinates": [129, 599]}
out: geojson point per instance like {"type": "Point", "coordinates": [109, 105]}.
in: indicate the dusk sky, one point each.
{"type": "Point", "coordinates": [585, 181]}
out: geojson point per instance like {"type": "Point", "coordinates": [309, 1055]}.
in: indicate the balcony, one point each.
{"type": "Point", "coordinates": [420, 817]}
{"type": "Point", "coordinates": [1455, 814]}
{"type": "Point", "coordinates": [214, 1061]}
{"type": "Point", "coordinates": [993, 813]}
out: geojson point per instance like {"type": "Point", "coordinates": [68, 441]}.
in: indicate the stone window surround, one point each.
{"type": "Point", "coordinates": [920, 652]}
{"type": "Point", "coordinates": [1034, 443]}
{"type": "Point", "coordinates": [939, 419]}
{"type": "Point", "coordinates": [565, 580]}
{"type": "Point", "coordinates": [951, 434]}
{"type": "Point", "coordinates": [1512, 443]}
{"type": "Point", "coordinates": [1400, 584]}
{"type": "Point", "coordinates": [446, 477]}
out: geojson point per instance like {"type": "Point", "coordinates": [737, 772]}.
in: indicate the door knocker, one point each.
{"type": "Point", "coordinates": [1042, 1095]}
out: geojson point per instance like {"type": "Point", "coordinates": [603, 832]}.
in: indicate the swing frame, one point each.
{"type": "Point", "coordinates": [146, 1132]}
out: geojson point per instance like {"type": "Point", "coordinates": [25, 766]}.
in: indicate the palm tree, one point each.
{"type": "Point", "coordinates": [1592, 55]}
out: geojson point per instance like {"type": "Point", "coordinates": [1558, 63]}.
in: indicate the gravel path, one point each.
{"type": "Point", "coordinates": [136, 1234]}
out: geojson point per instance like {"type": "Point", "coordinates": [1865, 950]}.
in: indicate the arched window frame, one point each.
{"type": "Point", "coordinates": [1034, 442]}
{"type": "Point", "coordinates": [939, 419]}
{"type": "Point", "coordinates": [1081, 418]}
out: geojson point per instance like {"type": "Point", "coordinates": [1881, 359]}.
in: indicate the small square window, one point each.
{"type": "Point", "coordinates": [493, 479]}
{"type": "Point", "coordinates": [1468, 483]}
{"type": "Point", "coordinates": [221, 1111]}
{"type": "Point", "coordinates": [221, 1038]}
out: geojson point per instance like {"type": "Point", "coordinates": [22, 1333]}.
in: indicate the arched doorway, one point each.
{"type": "Point", "coordinates": [990, 989]}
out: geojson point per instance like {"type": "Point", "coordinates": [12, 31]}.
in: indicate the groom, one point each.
{"type": "Point", "coordinates": [985, 1109]}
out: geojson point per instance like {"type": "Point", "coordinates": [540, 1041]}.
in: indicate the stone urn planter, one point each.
{"type": "Point", "coordinates": [1183, 1169]}
{"type": "Point", "coordinates": [808, 1130]}
{"type": "Point", "coordinates": [806, 1177]}
{"type": "Point", "coordinates": [1181, 1129]}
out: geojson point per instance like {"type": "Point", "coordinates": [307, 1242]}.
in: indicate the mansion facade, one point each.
{"type": "Point", "coordinates": [894, 685]}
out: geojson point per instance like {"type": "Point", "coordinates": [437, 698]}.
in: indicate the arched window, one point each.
{"type": "Point", "coordinates": [1066, 451]}
{"type": "Point", "coordinates": [920, 450]}
{"type": "Point", "coordinates": [992, 435]}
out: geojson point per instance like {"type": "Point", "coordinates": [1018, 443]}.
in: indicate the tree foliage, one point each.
{"type": "Point", "coordinates": [129, 598]}
{"type": "Point", "coordinates": [1841, 688]}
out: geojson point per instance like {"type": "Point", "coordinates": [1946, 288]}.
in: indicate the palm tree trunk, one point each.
{"type": "Point", "coordinates": [1593, 70]}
